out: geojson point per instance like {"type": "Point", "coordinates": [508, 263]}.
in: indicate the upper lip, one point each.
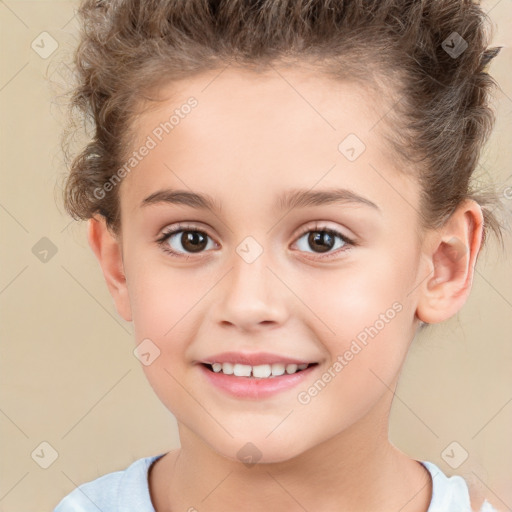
{"type": "Point", "coordinates": [252, 359]}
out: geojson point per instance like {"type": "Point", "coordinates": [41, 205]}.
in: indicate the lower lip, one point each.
{"type": "Point", "coordinates": [253, 387]}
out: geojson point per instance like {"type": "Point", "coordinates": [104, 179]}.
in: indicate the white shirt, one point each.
{"type": "Point", "coordinates": [128, 491]}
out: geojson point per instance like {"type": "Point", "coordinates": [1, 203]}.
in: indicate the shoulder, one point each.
{"type": "Point", "coordinates": [451, 494]}
{"type": "Point", "coordinates": [124, 490]}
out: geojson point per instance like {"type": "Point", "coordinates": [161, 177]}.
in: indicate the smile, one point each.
{"type": "Point", "coordinates": [262, 371]}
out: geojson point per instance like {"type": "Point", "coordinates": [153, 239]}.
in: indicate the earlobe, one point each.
{"type": "Point", "coordinates": [108, 251]}
{"type": "Point", "coordinates": [452, 261]}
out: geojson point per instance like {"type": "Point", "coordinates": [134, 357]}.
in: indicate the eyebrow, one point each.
{"type": "Point", "coordinates": [291, 199]}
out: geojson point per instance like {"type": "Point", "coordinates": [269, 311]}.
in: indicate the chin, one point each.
{"type": "Point", "coordinates": [258, 450]}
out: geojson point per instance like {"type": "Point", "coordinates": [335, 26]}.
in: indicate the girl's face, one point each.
{"type": "Point", "coordinates": [253, 273]}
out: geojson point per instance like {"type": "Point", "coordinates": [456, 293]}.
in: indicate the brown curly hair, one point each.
{"type": "Point", "coordinates": [427, 58]}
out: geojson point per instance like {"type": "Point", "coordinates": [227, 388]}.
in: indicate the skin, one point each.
{"type": "Point", "coordinates": [250, 138]}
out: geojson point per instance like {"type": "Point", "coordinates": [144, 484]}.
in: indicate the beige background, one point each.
{"type": "Point", "coordinates": [69, 376]}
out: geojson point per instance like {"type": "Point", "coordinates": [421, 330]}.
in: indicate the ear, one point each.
{"type": "Point", "coordinates": [108, 249]}
{"type": "Point", "coordinates": [451, 258]}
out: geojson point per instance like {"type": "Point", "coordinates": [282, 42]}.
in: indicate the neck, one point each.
{"type": "Point", "coordinates": [357, 469]}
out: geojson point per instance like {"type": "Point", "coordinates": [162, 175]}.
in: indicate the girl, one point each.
{"type": "Point", "coordinates": [279, 196]}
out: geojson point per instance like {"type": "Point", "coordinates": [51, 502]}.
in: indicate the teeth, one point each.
{"type": "Point", "coordinates": [291, 368]}
{"type": "Point", "coordinates": [262, 371]}
{"type": "Point", "coordinates": [241, 370]}
{"type": "Point", "coordinates": [227, 368]}
{"type": "Point", "coordinates": [278, 369]}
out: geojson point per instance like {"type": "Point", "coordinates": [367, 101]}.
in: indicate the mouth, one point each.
{"type": "Point", "coordinates": [262, 371]}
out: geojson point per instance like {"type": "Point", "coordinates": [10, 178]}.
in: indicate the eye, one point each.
{"type": "Point", "coordinates": [323, 240]}
{"type": "Point", "coordinates": [192, 240]}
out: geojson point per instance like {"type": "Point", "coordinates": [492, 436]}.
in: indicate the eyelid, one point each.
{"type": "Point", "coordinates": [182, 226]}
{"type": "Point", "coordinates": [319, 225]}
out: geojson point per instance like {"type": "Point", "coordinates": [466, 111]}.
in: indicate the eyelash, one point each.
{"type": "Point", "coordinates": [162, 240]}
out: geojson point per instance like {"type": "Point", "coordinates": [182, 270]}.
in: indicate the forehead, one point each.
{"type": "Point", "coordinates": [260, 131]}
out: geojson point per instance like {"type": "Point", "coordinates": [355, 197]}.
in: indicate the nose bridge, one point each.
{"type": "Point", "coordinates": [252, 294]}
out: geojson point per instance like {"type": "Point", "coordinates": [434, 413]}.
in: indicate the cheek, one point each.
{"type": "Point", "coordinates": [160, 299]}
{"type": "Point", "coordinates": [366, 330]}
{"type": "Point", "coordinates": [365, 314]}
{"type": "Point", "coordinates": [163, 302]}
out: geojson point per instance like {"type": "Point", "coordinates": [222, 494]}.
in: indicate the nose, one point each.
{"type": "Point", "coordinates": [251, 297]}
